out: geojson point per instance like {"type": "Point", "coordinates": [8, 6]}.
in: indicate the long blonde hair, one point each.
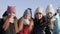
{"type": "Point", "coordinates": [6, 24]}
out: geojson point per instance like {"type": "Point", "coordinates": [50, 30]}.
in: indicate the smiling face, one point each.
{"type": "Point", "coordinates": [50, 14]}
{"type": "Point", "coordinates": [39, 15]}
{"type": "Point", "coordinates": [27, 16]}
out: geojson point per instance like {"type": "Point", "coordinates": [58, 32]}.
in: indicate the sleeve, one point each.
{"type": "Point", "coordinates": [5, 13]}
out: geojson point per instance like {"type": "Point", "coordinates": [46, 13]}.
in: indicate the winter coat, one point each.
{"type": "Point", "coordinates": [1, 28]}
{"type": "Point", "coordinates": [24, 28]}
{"type": "Point", "coordinates": [58, 23]}
{"type": "Point", "coordinates": [39, 25]}
{"type": "Point", "coordinates": [52, 25]}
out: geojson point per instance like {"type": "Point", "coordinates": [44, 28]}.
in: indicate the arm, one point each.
{"type": "Point", "coordinates": [31, 26]}
{"type": "Point", "coordinates": [6, 24]}
{"type": "Point", "coordinates": [21, 23]}
{"type": "Point", "coordinates": [16, 24]}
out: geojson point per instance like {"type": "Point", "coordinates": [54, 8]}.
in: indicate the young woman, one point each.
{"type": "Point", "coordinates": [26, 23]}
{"type": "Point", "coordinates": [51, 27]}
{"type": "Point", "coordinates": [10, 21]}
{"type": "Point", "coordinates": [57, 15]}
{"type": "Point", "coordinates": [39, 21]}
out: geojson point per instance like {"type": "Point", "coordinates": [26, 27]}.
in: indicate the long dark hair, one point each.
{"type": "Point", "coordinates": [5, 14]}
{"type": "Point", "coordinates": [42, 20]}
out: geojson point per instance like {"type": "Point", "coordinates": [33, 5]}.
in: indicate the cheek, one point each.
{"type": "Point", "coordinates": [50, 15]}
{"type": "Point", "coordinates": [39, 16]}
{"type": "Point", "coordinates": [29, 17]}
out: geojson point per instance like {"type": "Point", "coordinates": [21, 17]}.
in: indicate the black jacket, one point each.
{"type": "Point", "coordinates": [1, 26]}
{"type": "Point", "coordinates": [39, 25]}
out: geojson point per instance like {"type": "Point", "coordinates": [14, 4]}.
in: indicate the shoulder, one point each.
{"type": "Point", "coordinates": [32, 20]}
{"type": "Point", "coordinates": [1, 19]}
{"type": "Point", "coordinates": [54, 18]}
{"type": "Point", "coordinates": [21, 19]}
{"type": "Point", "coordinates": [44, 18]}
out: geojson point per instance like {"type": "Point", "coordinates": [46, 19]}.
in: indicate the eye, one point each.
{"type": "Point", "coordinates": [13, 12]}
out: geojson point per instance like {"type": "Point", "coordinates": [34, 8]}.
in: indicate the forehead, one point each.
{"type": "Point", "coordinates": [11, 13]}
{"type": "Point", "coordinates": [38, 13]}
{"type": "Point", "coordinates": [27, 15]}
{"type": "Point", "coordinates": [50, 13]}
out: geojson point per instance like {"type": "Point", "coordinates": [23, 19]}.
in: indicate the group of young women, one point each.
{"type": "Point", "coordinates": [40, 24]}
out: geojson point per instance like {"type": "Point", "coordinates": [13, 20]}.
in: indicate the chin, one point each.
{"type": "Point", "coordinates": [39, 18]}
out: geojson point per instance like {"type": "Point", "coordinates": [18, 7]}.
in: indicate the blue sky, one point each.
{"type": "Point", "coordinates": [21, 5]}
